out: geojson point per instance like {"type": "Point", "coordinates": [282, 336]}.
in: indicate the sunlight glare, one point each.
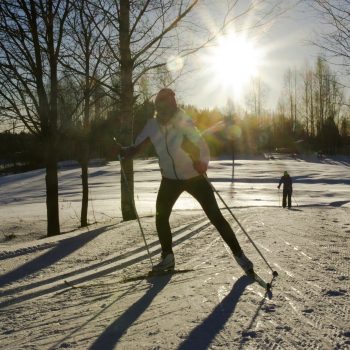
{"type": "Point", "coordinates": [234, 62]}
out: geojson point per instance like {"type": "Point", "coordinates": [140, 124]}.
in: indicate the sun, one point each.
{"type": "Point", "coordinates": [233, 62]}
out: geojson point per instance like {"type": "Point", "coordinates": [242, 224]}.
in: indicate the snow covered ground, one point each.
{"type": "Point", "coordinates": [81, 290]}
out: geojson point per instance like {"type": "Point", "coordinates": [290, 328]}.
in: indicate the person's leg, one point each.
{"type": "Point", "coordinates": [284, 199]}
{"type": "Point", "coordinates": [201, 190]}
{"type": "Point", "coordinates": [169, 192]}
{"type": "Point", "coordinates": [289, 199]}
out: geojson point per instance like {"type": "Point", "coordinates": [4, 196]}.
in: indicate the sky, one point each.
{"type": "Point", "coordinates": [286, 44]}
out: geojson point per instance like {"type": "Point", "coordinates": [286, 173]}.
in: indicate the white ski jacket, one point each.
{"type": "Point", "coordinates": [171, 143]}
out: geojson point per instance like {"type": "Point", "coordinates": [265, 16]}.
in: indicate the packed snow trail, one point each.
{"type": "Point", "coordinates": [215, 306]}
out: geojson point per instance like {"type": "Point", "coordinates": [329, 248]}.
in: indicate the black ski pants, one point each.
{"type": "Point", "coordinates": [287, 194]}
{"type": "Point", "coordinates": [201, 190]}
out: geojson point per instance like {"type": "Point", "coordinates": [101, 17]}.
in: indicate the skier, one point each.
{"type": "Point", "coordinates": [287, 182]}
{"type": "Point", "coordinates": [183, 159]}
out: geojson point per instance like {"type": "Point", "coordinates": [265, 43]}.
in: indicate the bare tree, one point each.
{"type": "Point", "coordinates": [321, 91]}
{"type": "Point", "coordinates": [336, 40]}
{"type": "Point", "coordinates": [31, 35]}
{"type": "Point", "coordinates": [323, 97]}
{"type": "Point", "coordinates": [83, 53]}
{"type": "Point", "coordinates": [256, 96]}
{"type": "Point", "coordinates": [290, 80]}
{"type": "Point", "coordinates": [307, 101]}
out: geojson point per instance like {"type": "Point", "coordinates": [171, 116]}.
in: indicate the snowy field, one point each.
{"type": "Point", "coordinates": [81, 290]}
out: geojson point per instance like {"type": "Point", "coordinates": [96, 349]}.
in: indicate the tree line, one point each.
{"type": "Point", "coordinates": [313, 108]}
{"type": "Point", "coordinates": [311, 115]}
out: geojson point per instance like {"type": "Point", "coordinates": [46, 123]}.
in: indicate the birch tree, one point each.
{"type": "Point", "coordinates": [31, 36]}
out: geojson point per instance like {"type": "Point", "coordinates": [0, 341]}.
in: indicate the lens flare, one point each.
{"type": "Point", "coordinates": [175, 63]}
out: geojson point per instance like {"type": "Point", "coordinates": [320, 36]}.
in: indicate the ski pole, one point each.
{"type": "Point", "coordinates": [295, 200]}
{"type": "Point", "coordinates": [134, 206]}
{"type": "Point", "coordinates": [274, 273]}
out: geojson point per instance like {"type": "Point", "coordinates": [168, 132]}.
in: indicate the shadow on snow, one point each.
{"type": "Point", "coordinates": [203, 334]}
{"type": "Point", "coordinates": [62, 249]}
{"type": "Point", "coordinates": [111, 335]}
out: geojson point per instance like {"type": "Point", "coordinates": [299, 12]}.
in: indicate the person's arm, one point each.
{"type": "Point", "coordinates": [280, 183]}
{"type": "Point", "coordinates": [131, 151]}
{"type": "Point", "coordinates": [142, 142]}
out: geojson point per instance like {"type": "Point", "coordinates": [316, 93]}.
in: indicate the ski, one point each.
{"type": "Point", "coordinates": [259, 280]}
{"type": "Point", "coordinates": [154, 274]}
{"type": "Point", "coordinates": [69, 284]}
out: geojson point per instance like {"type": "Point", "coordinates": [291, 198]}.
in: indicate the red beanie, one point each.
{"type": "Point", "coordinates": [166, 96]}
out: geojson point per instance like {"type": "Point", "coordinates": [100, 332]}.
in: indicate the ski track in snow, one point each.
{"type": "Point", "coordinates": [212, 307]}
{"type": "Point", "coordinates": [309, 308]}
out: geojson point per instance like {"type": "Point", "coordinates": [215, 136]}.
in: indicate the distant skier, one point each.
{"type": "Point", "coordinates": [183, 159]}
{"type": "Point", "coordinates": [287, 182]}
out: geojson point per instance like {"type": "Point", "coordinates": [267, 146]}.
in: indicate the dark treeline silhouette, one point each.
{"type": "Point", "coordinates": [250, 135]}
{"type": "Point", "coordinates": [23, 151]}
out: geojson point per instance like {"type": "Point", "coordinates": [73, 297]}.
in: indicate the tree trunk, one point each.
{"type": "Point", "coordinates": [233, 161]}
{"type": "Point", "coordinates": [127, 190]}
{"type": "Point", "coordinates": [312, 119]}
{"type": "Point", "coordinates": [85, 150]}
{"type": "Point", "coordinates": [82, 154]}
{"type": "Point", "coordinates": [53, 225]}
{"type": "Point", "coordinates": [85, 199]}
{"type": "Point", "coordinates": [126, 111]}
